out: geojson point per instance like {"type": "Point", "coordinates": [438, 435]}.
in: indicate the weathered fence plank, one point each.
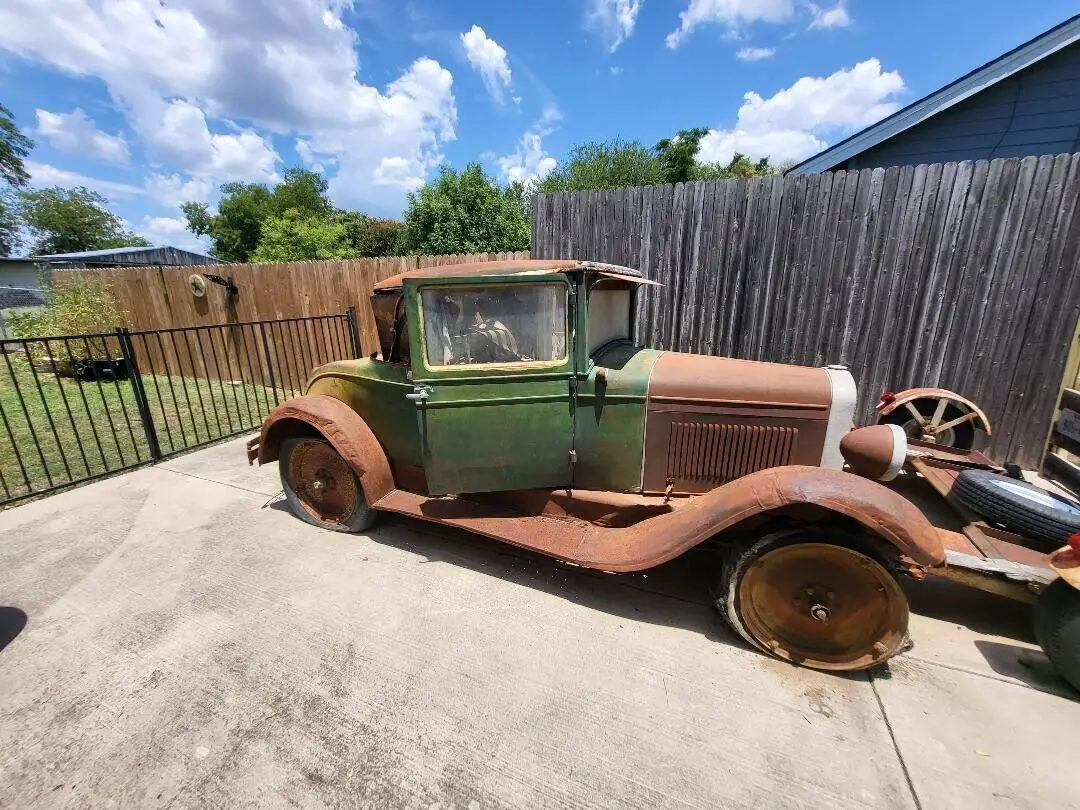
{"type": "Point", "coordinates": [959, 275]}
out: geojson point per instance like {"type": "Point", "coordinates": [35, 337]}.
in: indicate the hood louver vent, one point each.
{"type": "Point", "coordinates": [710, 454]}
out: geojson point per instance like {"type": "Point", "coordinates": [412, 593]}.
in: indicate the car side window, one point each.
{"type": "Point", "coordinates": [505, 323]}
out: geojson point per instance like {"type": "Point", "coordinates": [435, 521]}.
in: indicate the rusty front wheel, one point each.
{"type": "Point", "coordinates": [817, 604]}
{"type": "Point", "coordinates": [320, 486]}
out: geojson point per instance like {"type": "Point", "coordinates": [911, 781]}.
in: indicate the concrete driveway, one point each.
{"type": "Point", "coordinates": [189, 643]}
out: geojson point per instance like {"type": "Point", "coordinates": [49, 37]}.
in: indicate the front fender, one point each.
{"type": "Point", "coordinates": [881, 511]}
{"type": "Point", "coordinates": [340, 425]}
{"type": "Point", "coordinates": [912, 394]}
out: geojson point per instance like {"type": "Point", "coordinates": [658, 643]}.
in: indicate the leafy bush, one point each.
{"type": "Point", "coordinates": [75, 306]}
{"type": "Point", "coordinates": [296, 237]}
{"type": "Point", "coordinates": [369, 236]}
{"type": "Point", "coordinates": [465, 213]}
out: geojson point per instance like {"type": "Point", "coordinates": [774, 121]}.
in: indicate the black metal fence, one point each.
{"type": "Point", "coordinates": [74, 408]}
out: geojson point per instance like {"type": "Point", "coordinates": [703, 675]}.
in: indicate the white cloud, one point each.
{"type": "Point", "coordinates": [732, 13]}
{"type": "Point", "coordinates": [171, 190]}
{"type": "Point", "coordinates": [488, 57]}
{"type": "Point", "coordinates": [847, 99]}
{"type": "Point", "coordinates": [835, 17]}
{"type": "Point", "coordinates": [171, 232]}
{"type": "Point", "coordinates": [750, 54]}
{"type": "Point", "coordinates": [315, 162]}
{"type": "Point", "coordinates": [44, 174]}
{"type": "Point", "coordinates": [616, 70]}
{"type": "Point", "coordinates": [275, 66]}
{"type": "Point", "coordinates": [790, 124]}
{"type": "Point", "coordinates": [780, 146]}
{"type": "Point", "coordinates": [612, 20]}
{"type": "Point", "coordinates": [182, 137]}
{"type": "Point", "coordinates": [75, 133]}
{"type": "Point", "coordinates": [529, 161]}
{"type": "Point", "coordinates": [411, 119]}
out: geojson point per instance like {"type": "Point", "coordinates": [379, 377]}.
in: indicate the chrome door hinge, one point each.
{"type": "Point", "coordinates": [420, 393]}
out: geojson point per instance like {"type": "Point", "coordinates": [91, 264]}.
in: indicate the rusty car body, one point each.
{"type": "Point", "coordinates": [508, 398]}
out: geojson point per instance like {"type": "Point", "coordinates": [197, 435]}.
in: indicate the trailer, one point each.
{"type": "Point", "coordinates": [996, 560]}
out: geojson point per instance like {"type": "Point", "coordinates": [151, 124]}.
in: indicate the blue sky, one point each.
{"type": "Point", "coordinates": [152, 103]}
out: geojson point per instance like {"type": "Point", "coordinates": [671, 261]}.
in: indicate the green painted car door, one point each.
{"type": "Point", "coordinates": [492, 380]}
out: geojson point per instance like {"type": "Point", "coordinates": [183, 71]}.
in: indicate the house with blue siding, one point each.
{"type": "Point", "coordinates": [1025, 102]}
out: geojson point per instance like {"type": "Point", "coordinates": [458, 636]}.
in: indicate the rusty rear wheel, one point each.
{"type": "Point", "coordinates": [320, 486]}
{"type": "Point", "coordinates": [817, 604]}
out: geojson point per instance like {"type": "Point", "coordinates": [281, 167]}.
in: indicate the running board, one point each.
{"type": "Point", "coordinates": [557, 538]}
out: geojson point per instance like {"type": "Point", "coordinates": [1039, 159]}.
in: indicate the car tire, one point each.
{"type": "Point", "coordinates": [1018, 506]}
{"type": "Point", "coordinates": [1057, 629]}
{"type": "Point", "coordinates": [771, 590]}
{"type": "Point", "coordinates": [320, 486]}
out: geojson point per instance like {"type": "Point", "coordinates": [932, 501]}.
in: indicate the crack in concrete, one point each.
{"type": "Point", "coordinates": [895, 742]}
{"type": "Point", "coordinates": [213, 481]}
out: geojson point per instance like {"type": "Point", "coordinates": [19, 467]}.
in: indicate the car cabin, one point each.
{"type": "Point", "coordinates": [517, 333]}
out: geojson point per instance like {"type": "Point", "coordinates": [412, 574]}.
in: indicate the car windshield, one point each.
{"type": "Point", "coordinates": [507, 323]}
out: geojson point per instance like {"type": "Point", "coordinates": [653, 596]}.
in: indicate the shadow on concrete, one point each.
{"type": "Point", "coordinates": [12, 622]}
{"type": "Point", "coordinates": [675, 594]}
{"type": "Point", "coordinates": [976, 610]}
{"type": "Point", "coordinates": [1030, 667]}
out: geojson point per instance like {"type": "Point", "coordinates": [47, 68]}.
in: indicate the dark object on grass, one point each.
{"type": "Point", "coordinates": [92, 369]}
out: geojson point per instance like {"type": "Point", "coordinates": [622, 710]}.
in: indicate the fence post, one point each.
{"type": "Point", "coordinates": [266, 355]}
{"type": "Point", "coordinates": [354, 331]}
{"type": "Point", "coordinates": [141, 401]}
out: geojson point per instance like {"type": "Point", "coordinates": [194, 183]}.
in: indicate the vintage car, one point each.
{"type": "Point", "coordinates": [507, 398]}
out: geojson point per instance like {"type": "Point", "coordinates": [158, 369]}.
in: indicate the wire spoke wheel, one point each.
{"type": "Point", "coordinates": [324, 483]}
{"type": "Point", "coordinates": [822, 606]}
{"type": "Point", "coordinates": [936, 420]}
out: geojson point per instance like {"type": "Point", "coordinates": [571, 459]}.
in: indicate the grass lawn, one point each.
{"type": "Point", "coordinates": [90, 428]}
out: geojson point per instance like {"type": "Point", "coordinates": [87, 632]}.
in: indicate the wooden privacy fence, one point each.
{"type": "Point", "coordinates": [960, 275]}
{"type": "Point", "coordinates": [161, 297]}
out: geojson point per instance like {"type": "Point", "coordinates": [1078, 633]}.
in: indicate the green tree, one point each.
{"type": "Point", "coordinates": [739, 166]}
{"type": "Point", "coordinates": [678, 155]}
{"type": "Point", "coordinates": [68, 220]}
{"type": "Point", "coordinates": [303, 191]}
{"type": "Point", "coordinates": [466, 213]}
{"type": "Point", "coordinates": [623, 164]}
{"type": "Point", "coordinates": [295, 236]}
{"type": "Point", "coordinates": [9, 221]}
{"type": "Point", "coordinates": [235, 229]}
{"type": "Point", "coordinates": [369, 236]}
{"type": "Point", "coordinates": [605, 164]}
{"type": "Point", "coordinates": [14, 146]}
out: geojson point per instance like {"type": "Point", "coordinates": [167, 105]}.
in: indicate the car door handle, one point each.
{"type": "Point", "coordinates": [420, 393]}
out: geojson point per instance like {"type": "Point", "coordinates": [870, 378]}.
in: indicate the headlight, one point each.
{"type": "Point", "coordinates": [876, 452]}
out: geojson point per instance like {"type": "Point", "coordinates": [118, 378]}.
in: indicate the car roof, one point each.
{"type": "Point", "coordinates": [510, 267]}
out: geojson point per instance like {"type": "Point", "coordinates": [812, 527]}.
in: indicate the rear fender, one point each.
{"type": "Point", "coordinates": [340, 425]}
{"type": "Point", "coordinates": [901, 399]}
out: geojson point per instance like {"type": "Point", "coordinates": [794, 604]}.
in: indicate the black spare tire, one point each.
{"type": "Point", "coordinates": [1019, 506]}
